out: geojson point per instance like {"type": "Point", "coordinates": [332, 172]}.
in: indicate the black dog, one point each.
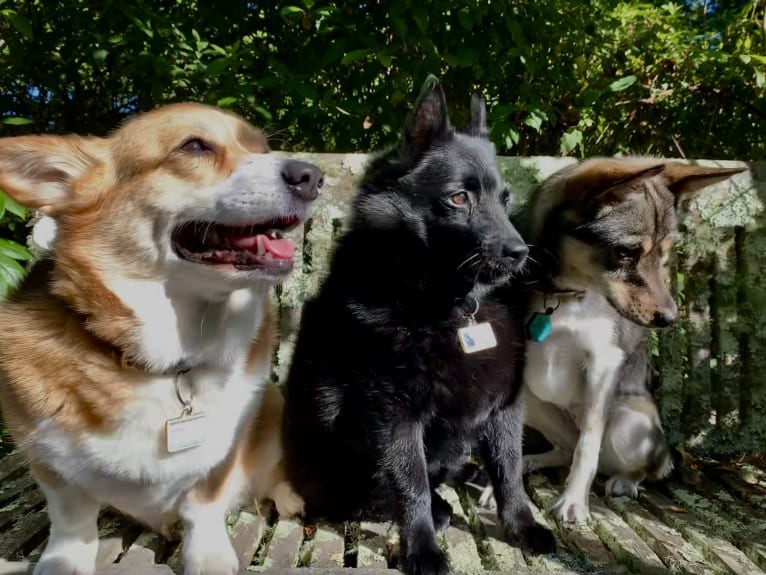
{"type": "Point", "coordinates": [381, 400]}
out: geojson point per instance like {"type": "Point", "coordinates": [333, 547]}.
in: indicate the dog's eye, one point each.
{"type": "Point", "coordinates": [505, 196]}
{"type": "Point", "coordinates": [195, 146]}
{"type": "Point", "coordinates": [471, 184]}
{"type": "Point", "coordinates": [460, 199]}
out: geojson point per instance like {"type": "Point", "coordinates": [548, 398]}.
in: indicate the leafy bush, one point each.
{"type": "Point", "coordinates": [668, 78]}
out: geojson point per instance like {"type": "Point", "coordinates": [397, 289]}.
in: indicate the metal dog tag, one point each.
{"type": "Point", "coordinates": [476, 337]}
{"type": "Point", "coordinates": [185, 432]}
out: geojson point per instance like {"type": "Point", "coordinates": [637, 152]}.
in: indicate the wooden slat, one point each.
{"type": "Point", "coordinates": [19, 508]}
{"type": "Point", "coordinates": [285, 544]}
{"type": "Point", "coordinates": [581, 538]}
{"type": "Point", "coordinates": [246, 535]}
{"type": "Point", "coordinates": [329, 546]}
{"type": "Point", "coordinates": [717, 550]}
{"type": "Point", "coordinates": [746, 529]}
{"type": "Point", "coordinates": [11, 464]}
{"type": "Point", "coordinates": [25, 529]}
{"type": "Point", "coordinates": [11, 488]}
{"type": "Point", "coordinates": [622, 541]}
{"type": "Point", "coordinates": [457, 540]}
{"type": "Point", "coordinates": [667, 543]}
{"type": "Point", "coordinates": [373, 544]}
{"type": "Point", "coordinates": [501, 555]}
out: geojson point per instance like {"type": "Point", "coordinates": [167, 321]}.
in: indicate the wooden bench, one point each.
{"type": "Point", "coordinates": [709, 519]}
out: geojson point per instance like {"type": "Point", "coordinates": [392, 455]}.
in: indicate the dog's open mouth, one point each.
{"type": "Point", "coordinates": [256, 246]}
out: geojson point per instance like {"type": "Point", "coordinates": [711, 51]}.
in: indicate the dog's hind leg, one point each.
{"type": "Point", "coordinates": [501, 451]}
{"type": "Point", "coordinates": [556, 426]}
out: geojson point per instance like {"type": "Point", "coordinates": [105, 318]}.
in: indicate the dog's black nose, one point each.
{"type": "Point", "coordinates": [517, 253]}
{"type": "Point", "coordinates": [304, 179]}
{"type": "Point", "coordinates": [663, 318]}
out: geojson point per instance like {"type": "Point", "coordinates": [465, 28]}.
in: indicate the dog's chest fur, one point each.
{"type": "Point", "coordinates": [126, 462]}
{"type": "Point", "coordinates": [585, 332]}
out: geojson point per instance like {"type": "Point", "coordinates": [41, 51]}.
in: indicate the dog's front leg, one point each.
{"type": "Point", "coordinates": [73, 541]}
{"type": "Point", "coordinates": [207, 549]}
{"type": "Point", "coordinates": [501, 450]}
{"type": "Point", "coordinates": [601, 376]}
{"type": "Point", "coordinates": [404, 461]}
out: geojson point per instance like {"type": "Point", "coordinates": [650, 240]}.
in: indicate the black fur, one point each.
{"type": "Point", "coordinates": [381, 402]}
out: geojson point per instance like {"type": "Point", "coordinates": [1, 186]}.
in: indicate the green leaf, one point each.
{"type": "Point", "coordinates": [11, 274]}
{"type": "Point", "coordinates": [535, 119]}
{"type": "Point", "coordinates": [14, 207]}
{"type": "Point", "coordinates": [466, 21]}
{"type": "Point", "coordinates": [2, 205]}
{"type": "Point", "coordinates": [354, 55]}
{"type": "Point", "coordinates": [21, 24]}
{"type": "Point", "coordinates": [511, 138]}
{"type": "Point", "coordinates": [570, 141]}
{"type": "Point", "coordinates": [16, 121]}
{"type": "Point", "coordinates": [420, 15]}
{"type": "Point", "coordinates": [264, 112]}
{"type": "Point", "coordinates": [100, 55]}
{"type": "Point", "coordinates": [217, 66]}
{"type": "Point", "coordinates": [622, 83]}
{"type": "Point", "coordinates": [226, 102]}
{"type": "Point", "coordinates": [466, 57]}
{"type": "Point", "coordinates": [14, 250]}
{"type": "Point", "coordinates": [287, 10]}
{"type": "Point", "coordinates": [760, 78]}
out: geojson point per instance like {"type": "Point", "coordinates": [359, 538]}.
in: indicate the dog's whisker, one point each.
{"type": "Point", "coordinates": [468, 259]}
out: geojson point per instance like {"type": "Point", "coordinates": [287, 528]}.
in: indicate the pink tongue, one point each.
{"type": "Point", "coordinates": [281, 249]}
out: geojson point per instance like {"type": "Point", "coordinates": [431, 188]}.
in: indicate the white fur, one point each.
{"type": "Point", "coordinates": [73, 540]}
{"type": "Point", "coordinates": [196, 314]}
{"type": "Point", "coordinates": [576, 369]}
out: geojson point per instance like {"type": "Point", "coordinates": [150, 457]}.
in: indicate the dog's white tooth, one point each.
{"type": "Point", "coordinates": [261, 247]}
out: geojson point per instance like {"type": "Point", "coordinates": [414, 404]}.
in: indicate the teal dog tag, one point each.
{"type": "Point", "coordinates": [540, 326]}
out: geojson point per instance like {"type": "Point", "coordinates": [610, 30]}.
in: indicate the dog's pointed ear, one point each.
{"type": "Point", "coordinates": [39, 172]}
{"type": "Point", "coordinates": [429, 121]}
{"type": "Point", "coordinates": [686, 179]}
{"type": "Point", "coordinates": [595, 181]}
{"type": "Point", "coordinates": [478, 124]}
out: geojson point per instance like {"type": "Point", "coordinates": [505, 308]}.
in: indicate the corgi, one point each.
{"type": "Point", "coordinates": [135, 356]}
{"type": "Point", "coordinates": [607, 226]}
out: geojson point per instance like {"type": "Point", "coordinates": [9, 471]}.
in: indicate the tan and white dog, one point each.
{"type": "Point", "coordinates": [608, 225]}
{"type": "Point", "coordinates": [135, 359]}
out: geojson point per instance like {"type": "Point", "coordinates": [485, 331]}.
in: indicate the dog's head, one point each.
{"type": "Point", "coordinates": [445, 188]}
{"type": "Point", "coordinates": [611, 224]}
{"type": "Point", "coordinates": [186, 194]}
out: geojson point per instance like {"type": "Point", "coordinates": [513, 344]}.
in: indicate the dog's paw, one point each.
{"type": "Point", "coordinates": [60, 565]}
{"type": "Point", "coordinates": [572, 510]}
{"type": "Point", "coordinates": [487, 498]}
{"type": "Point", "coordinates": [533, 537]}
{"type": "Point", "coordinates": [70, 559]}
{"type": "Point", "coordinates": [221, 561]}
{"type": "Point", "coordinates": [287, 501]}
{"type": "Point", "coordinates": [620, 485]}
{"type": "Point", "coordinates": [430, 561]}
{"type": "Point", "coordinates": [440, 511]}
